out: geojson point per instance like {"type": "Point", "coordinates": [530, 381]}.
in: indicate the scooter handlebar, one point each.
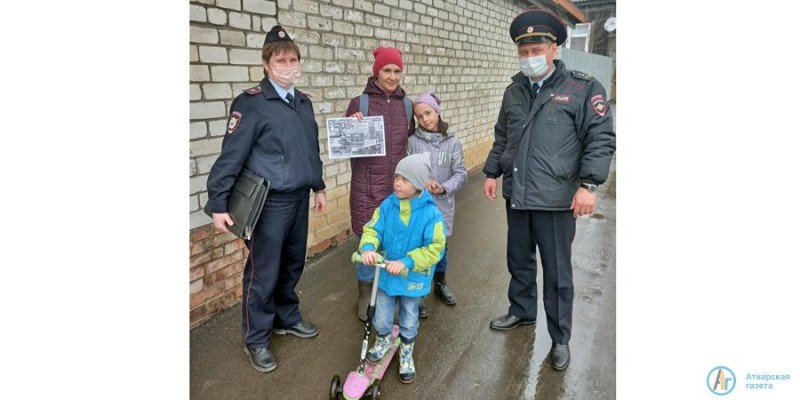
{"type": "Point", "coordinates": [356, 258]}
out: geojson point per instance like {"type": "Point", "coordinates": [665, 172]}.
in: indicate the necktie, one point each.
{"type": "Point", "coordinates": [534, 91]}
{"type": "Point", "coordinates": [290, 99]}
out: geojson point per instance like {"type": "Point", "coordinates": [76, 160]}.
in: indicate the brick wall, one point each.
{"type": "Point", "coordinates": [458, 48]}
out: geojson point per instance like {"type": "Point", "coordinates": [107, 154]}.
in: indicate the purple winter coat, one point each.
{"type": "Point", "coordinates": [372, 178]}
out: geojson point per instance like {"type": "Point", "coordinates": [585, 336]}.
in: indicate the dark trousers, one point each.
{"type": "Point", "coordinates": [273, 268]}
{"type": "Point", "coordinates": [441, 266]}
{"type": "Point", "coordinates": [552, 232]}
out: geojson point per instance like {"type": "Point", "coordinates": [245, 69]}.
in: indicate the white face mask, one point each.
{"type": "Point", "coordinates": [533, 67]}
{"type": "Point", "coordinates": [285, 77]}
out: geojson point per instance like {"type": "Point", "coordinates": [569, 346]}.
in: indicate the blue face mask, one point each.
{"type": "Point", "coordinates": [533, 67]}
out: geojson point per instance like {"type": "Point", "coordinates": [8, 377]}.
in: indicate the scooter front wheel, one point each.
{"type": "Point", "coordinates": [336, 387]}
{"type": "Point", "coordinates": [374, 393]}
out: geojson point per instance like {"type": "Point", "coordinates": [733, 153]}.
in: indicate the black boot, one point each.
{"type": "Point", "coordinates": [423, 308]}
{"type": "Point", "coordinates": [441, 289]}
{"type": "Point", "coordinates": [364, 293]}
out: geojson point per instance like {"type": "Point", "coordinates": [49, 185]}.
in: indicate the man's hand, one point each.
{"type": "Point", "coordinates": [583, 203]}
{"type": "Point", "coordinates": [222, 221]}
{"type": "Point", "coordinates": [320, 202]}
{"type": "Point", "coordinates": [490, 188]}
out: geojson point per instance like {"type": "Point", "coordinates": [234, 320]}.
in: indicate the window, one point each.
{"type": "Point", "coordinates": [579, 37]}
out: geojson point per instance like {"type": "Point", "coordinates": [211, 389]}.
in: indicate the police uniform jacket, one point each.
{"type": "Point", "coordinates": [545, 148]}
{"type": "Point", "coordinates": [269, 137]}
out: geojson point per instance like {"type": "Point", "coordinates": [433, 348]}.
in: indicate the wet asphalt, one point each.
{"type": "Point", "coordinates": [457, 356]}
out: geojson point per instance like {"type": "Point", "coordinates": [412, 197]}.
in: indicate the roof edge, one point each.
{"type": "Point", "coordinates": [570, 10]}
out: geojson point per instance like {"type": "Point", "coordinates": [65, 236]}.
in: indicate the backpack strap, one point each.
{"type": "Point", "coordinates": [363, 106]}
{"type": "Point", "coordinates": [409, 109]}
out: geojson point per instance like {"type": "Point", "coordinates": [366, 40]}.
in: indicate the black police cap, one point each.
{"type": "Point", "coordinates": [275, 34]}
{"type": "Point", "coordinates": [534, 26]}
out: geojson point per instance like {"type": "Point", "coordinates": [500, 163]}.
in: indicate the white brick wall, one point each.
{"type": "Point", "coordinates": [459, 48]}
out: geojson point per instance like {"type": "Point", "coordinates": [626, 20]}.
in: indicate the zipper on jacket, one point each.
{"type": "Point", "coordinates": [369, 186]}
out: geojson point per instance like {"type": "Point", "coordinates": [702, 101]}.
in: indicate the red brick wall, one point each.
{"type": "Point", "coordinates": [216, 268]}
{"type": "Point", "coordinates": [215, 272]}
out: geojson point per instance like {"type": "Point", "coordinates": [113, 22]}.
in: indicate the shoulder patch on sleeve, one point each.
{"type": "Point", "coordinates": [233, 122]}
{"type": "Point", "coordinates": [253, 91]}
{"type": "Point", "coordinates": [581, 75]}
{"type": "Point", "coordinates": [599, 105]}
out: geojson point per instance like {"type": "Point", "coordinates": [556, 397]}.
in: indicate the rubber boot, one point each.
{"type": "Point", "coordinates": [364, 293]}
{"type": "Point", "coordinates": [423, 308]}
{"type": "Point", "coordinates": [379, 348]}
{"type": "Point", "coordinates": [407, 371]}
{"type": "Point", "coordinates": [441, 289]}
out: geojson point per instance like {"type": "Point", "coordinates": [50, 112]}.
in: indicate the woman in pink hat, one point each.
{"type": "Point", "coordinates": [372, 177]}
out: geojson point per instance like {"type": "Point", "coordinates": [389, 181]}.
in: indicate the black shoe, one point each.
{"type": "Point", "coordinates": [509, 322]}
{"type": "Point", "coordinates": [301, 329]}
{"type": "Point", "coordinates": [445, 293]}
{"type": "Point", "coordinates": [559, 356]}
{"type": "Point", "coordinates": [261, 358]}
{"type": "Point", "coordinates": [423, 309]}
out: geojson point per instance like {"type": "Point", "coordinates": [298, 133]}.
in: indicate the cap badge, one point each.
{"type": "Point", "coordinates": [281, 34]}
{"type": "Point", "coordinates": [530, 29]}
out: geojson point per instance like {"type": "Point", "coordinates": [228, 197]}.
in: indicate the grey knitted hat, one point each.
{"type": "Point", "coordinates": [416, 168]}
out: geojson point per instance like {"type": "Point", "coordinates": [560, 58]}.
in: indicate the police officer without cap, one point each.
{"type": "Point", "coordinates": [272, 132]}
{"type": "Point", "coordinates": [554, 141]}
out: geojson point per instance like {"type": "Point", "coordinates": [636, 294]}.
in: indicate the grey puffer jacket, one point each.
{"type": "Point", "coordinates": [447, 167]}
{"type": "Point", "coordinates": [546, 148]}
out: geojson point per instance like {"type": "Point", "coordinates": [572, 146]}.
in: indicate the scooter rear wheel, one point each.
{"type": "Point", "coordinates": [336, 387]}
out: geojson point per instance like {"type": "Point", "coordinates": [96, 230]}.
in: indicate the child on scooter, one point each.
{"type": "Point", "coordinates": [408, 229]}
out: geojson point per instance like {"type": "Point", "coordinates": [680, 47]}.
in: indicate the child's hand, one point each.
{"type": "Point", "coordinates": [369, 257]}
{"type": "Point", "coordinates": [395, 267]}
{"type": "Point", "coordinates": [434, 187]}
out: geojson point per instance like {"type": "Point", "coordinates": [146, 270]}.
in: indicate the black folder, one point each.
{"type": "Point", "coordinates": [245, 203]}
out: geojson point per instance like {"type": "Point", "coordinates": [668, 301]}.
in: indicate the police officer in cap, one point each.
{"type": "Point", "coordinates": [272, 132]}
{"type": "Point", "coordinates": [554, 141]}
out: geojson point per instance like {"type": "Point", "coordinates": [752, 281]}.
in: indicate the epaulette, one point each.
{"type": "Point", "coordinates": [581, 75]}
{"type": "Point", "coordinates": [303, 93]}
{"type": "Point", "coordinates": [253, 90]}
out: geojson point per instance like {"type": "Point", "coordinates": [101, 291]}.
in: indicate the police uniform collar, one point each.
{"type": "Point", "coordinates": [281, 92]}
{"type": "Point", "coordinates": [541, 82]}
{"type": "Point", "coordinates": [269, 89]}
{"type": "Point", "coordinates": [520, 79]}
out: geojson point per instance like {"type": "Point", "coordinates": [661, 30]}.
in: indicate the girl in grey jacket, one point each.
{"type": "Point", "coordinates": [448, 175]}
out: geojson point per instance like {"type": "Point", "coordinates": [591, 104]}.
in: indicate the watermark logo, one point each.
{"type": "Point", "coordinates": [721, 380]}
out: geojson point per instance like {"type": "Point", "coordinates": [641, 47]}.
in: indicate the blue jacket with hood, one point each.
{"type": "Point", "coordinates": [411, 231]}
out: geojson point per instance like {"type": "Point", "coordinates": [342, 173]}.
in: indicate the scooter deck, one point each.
{"type": "Point", "coordinates": [356, 385]}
